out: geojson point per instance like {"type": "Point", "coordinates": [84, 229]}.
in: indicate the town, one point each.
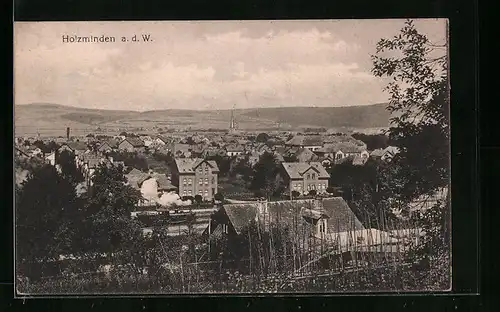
{"type": "Point", "coordinates": [217, 184]}
{"type": "Point", "coordinates": [296, 163]}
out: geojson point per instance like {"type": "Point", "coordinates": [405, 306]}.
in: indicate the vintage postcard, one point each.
{"type": "Point", "coordinates": [246, 157]}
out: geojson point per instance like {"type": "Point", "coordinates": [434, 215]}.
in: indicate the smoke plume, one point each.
{"type": "Point", "coordinates": [149, 190]}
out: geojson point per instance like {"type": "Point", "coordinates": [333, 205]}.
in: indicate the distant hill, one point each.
{"type": "Point", "coordinates": [52, 119]}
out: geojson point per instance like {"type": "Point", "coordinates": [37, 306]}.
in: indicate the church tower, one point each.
{"type": "Point", "coordinates": [232, 123]}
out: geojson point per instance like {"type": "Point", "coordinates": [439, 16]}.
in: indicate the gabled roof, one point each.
{"type": "Point", "coordinates": [359, 160]}
{"type": "Point", "coordinates": [310, 140]}
{"type": "Point", "coordinates": [135, 142]}
{"type": "Point", "coordinates": [296, 170]}
{"type": "Point", "coordinates": [163, 182]}
{"type": "Point", "coordinates": [234, 148]}
{"type": "Point", "coordinates": [341, 217]}
{"type": "Point", "coordinates": [189, 165]}
{"type": "Point", "coordinates": [163, 139]}
{"type": "Point", "coordinates": [391, 150]}
{"type": "Point", "coordinates": [345, 147]}
{"type": "Point", "coordinates": [76, 146]}
{"type": "Point", "coordinates": [292, 212]}
{"type": "Point", "coordinates": [135, 178]}
{"type": "Point", "coordinates": [377, 153]}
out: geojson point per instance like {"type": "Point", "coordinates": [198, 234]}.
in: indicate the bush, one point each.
{"type": "Point", "coordinates": [219, 197]}
{"type": "Point", "coordinates": [312, 192]}
{"type": "Point", "coordinates": [295, 194]}
{"type": "Point", "coordinates": [198, 199]}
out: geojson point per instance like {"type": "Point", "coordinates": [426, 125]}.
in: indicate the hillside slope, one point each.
{"type": "Point", "coordinates": [51, 118]}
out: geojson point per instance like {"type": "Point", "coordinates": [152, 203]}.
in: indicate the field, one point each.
{"type": "Point", "coordinates": [52, 120]}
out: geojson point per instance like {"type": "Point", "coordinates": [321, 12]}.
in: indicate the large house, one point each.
{"type": "Point", "coordinates": [131, 145]}
{"type": "Point", "coordinates": [322, 219]}
{"type": "Point", "coordinates": [74, 147]}
{"type": "Point", "coordinates": [311, 142]}
{"type": "Point", "coordinates": [305, 177]}
{"type": "Point", "coordinates": [196, 177]}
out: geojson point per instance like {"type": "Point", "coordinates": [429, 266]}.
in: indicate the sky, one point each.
{"type": "Point", "coordinates": [205, 64]}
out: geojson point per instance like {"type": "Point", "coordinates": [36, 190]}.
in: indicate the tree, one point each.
{"type": "Point", "coordinates": [267, 179]}
{"type": "Point", "coordinates": [312, 192]}
{"type": "Point", "coordinates": [262, 137]}
{"type": "Point", "coordinates": [295, 194]}
{"type": "Point", "coordinates": [419, 103]}
{"type": "Point", "coordinates": [47, 212]}
{"type": "Point", "coordinates": [219, 197]}
{"type": "Point", "coordinates": [420, 107]}
{"type": "Point", "coordinates": [107, 211]}
{"type": "Point", "coordinates": [66, 160]}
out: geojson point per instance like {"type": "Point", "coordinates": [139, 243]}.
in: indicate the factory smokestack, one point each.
{"type": "Point", "coordinates": [67, 133]}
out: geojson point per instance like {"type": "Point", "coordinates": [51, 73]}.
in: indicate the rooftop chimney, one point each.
{"type": "Point", "coordinates": [67, 133]}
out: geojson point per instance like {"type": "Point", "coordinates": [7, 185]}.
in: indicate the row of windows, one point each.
{"type": "Point", "coordinates": [321, 186]}
{"type": "Point", "coordinates": [200, 181]}
{"type": "Point", "coordinates": [190, 193]}
{"type": "Point", "coordinates": [200, 170]}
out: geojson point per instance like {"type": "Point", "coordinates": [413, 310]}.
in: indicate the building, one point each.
{"type": "Point", "coordinates": [305, 177]}
{"type": "Point", "coordinates": [108, 146]}
{"type": "Point", "coordinates": [234, 150]}
{"type": "Point", "coordinates": [196, 177]}
{"type": "Point", "coordinates": [160, 141]}
{"type": "Point", "coordinates": [131, 145]}
{"type": "Point", "coordinates": [181, 150]}
{"type": "Point", "coordinates": [311, 142]}
{"type": "Point", "coordinates": [51, 158]}
{"type": "Point", "coordinates": [321, 218]}
{"type": "Point", "coordinates": [76, 148]}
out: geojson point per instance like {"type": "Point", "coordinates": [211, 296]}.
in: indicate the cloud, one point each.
{"type": "Point", "coordinates": [197, 65]}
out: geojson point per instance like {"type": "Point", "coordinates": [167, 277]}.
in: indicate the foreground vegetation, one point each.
{"type": "Point", "coordinates": [96, 230]}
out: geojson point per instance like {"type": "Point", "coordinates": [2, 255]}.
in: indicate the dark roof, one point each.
{"type": "Point", "coordinates": [76, 146]}
{"type": "Point", "coordinates": [135, 142]}
{"type": "Point", "coordinates": [340, 216]}
{"type": "Point", "coordinates": [135, 178]}
{"type": "Point", "coordinates": [163, 182]}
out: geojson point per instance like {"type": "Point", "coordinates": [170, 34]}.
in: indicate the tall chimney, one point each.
{"type": "Point", "coordinates": [67, 133]}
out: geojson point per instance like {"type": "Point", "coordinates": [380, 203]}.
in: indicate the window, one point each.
{"type": "Point", "coordinates": [206, 193]}
{"type": "Point", "coordinates": [200, 182]}
{"type": "Point", "coordinates": [200, 170]}
{"type": "Point", "coordinates": [308, 187]}
{"type": "Point", "coordinates": [190, 192]}
{"type": "Point", "coordinates": [184, 181]}
{"type": "Point", "coordinates": [190, 181]}
{"type": "Point", "coordinates": [313, 176]}
{"type": "Point", "coordinates": [224, 228]}
{"type": "Point", "coordinates": [200, 192]}
{"type": "Point", "coordinates": [206, 170]}
{"type": "Point", "coordinates": [184, 193]}
{"type": "Point", "coordinates": [322, 226]}
{"type": "Point", "coordinates": [206, 181]}
{"type": "Point", "coordinates": [308, 176]}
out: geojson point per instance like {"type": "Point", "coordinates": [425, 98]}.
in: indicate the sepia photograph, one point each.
{"type": "Point", "coordinates": [232, 157]}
